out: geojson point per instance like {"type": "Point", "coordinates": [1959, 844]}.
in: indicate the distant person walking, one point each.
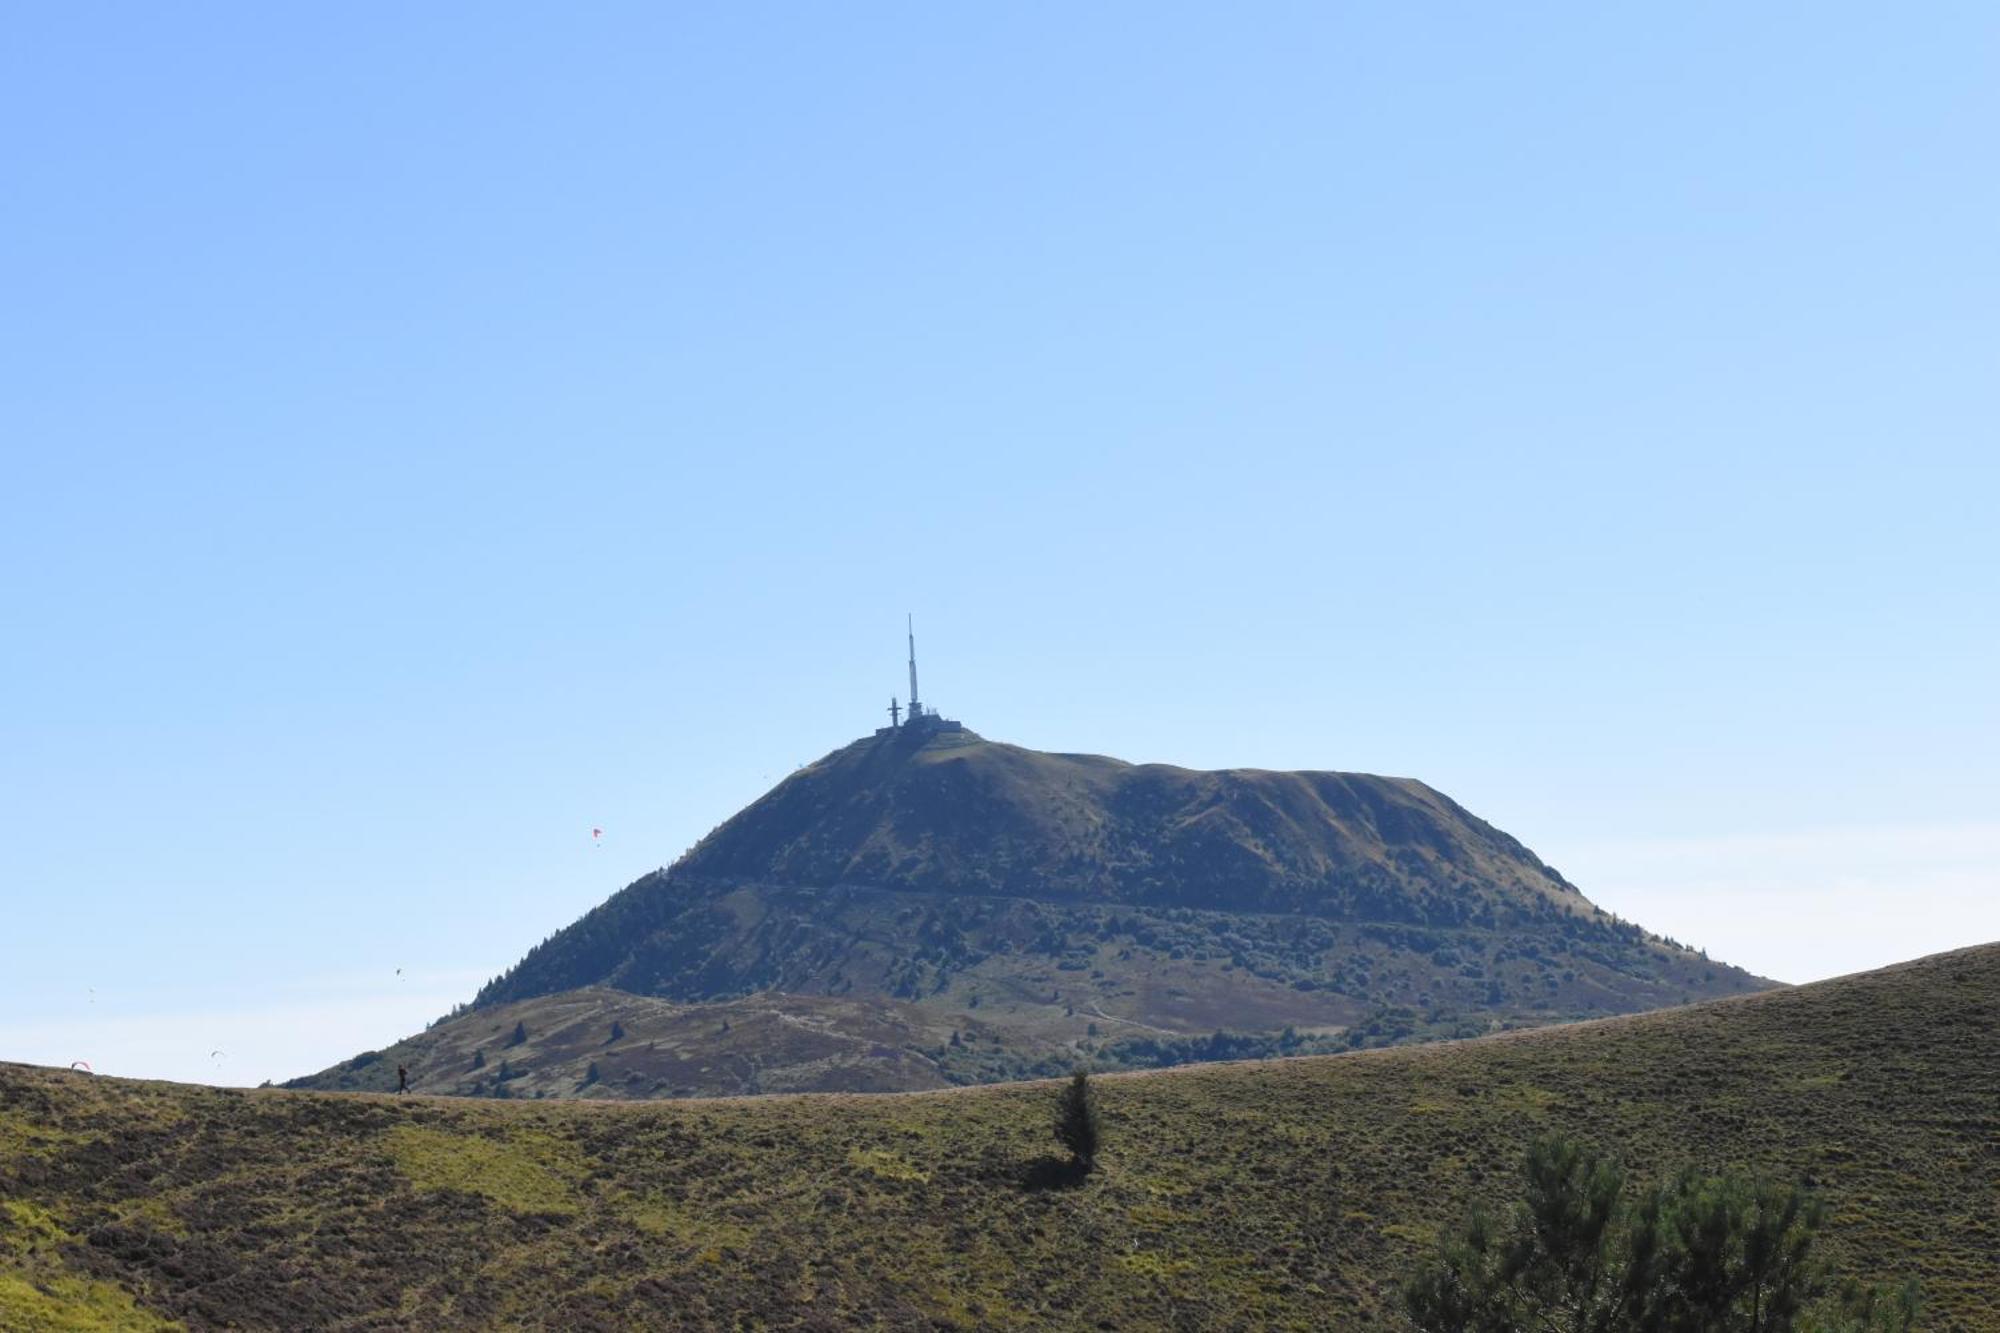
{"type": "Point", "coordinates": [402, 1079]}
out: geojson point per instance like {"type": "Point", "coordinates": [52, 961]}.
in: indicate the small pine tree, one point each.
{"type": "Point", "coordinates": [1577, 1251]}
{"type": "Point", "coordinates": [617, 1031]}
{"type": "Point", "coordinates": [520, 1034]}
{"type": "Point", "coordinates": [479, 1058]}
{"type": "Point", "coordinates": [590, 1075]}
{"type": "Point", "coordinates": [1077, 1125]}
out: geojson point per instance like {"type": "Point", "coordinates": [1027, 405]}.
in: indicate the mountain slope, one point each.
{"type": "Point", "coordinates": [1059, 907]}
{"type": "Point", "coordinates": [952, 812]}
{"type": "Point", "coordinates": [1286, 1194]}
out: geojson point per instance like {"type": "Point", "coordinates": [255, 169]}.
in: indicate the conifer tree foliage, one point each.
{"type": "Point", "coordinates": [1077, 1125]}
{"type": "Point", "coordinates": [1578, 1253]}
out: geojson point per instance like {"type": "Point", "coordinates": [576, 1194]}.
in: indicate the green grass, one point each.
{"type": "Point", "coordinates": [37, 1289]}
{"type": "Point", "coordinates": [1288, 1194]}
{"type": "Point", "coordinates": [527, 1172]}
{"type": "Point", "coordinates": [66, 1304]}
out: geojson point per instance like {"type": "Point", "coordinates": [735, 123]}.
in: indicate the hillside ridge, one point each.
{"type": "Point", "coordinates": [1286, 1194]}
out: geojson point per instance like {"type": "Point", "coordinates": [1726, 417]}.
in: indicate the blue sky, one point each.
{"type": "Point", "coordinates": [431, 434]}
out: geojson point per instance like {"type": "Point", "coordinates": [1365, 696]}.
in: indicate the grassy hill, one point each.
{"type": "Point", "coordinates": [1058, 907]}
{"type": "Point", "coordinates": [1284, 1194]}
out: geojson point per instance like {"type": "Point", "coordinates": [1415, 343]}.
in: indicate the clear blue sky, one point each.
{"type": "Point", "coordinates": [430, 432]}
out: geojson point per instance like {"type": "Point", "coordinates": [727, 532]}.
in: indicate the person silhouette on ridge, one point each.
{"type": "Point", "coordinates": [402, 1079]}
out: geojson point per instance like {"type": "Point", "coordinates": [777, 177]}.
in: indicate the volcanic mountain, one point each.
{"type": "Point", "coordinates": [925, 907]}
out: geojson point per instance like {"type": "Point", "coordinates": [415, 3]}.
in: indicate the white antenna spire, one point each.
{"type": "Point", "coordinates": [916, 709]}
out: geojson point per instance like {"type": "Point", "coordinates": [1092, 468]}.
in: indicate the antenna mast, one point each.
{"type": "Point", "coordinates": [916, 709]}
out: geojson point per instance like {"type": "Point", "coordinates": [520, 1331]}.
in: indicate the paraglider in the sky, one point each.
{"type": "Point", "coordinates": [84, 1065]}
{"type": "Point", "coordinates": [218, 1055]}
{"type": "Point", "coordinates": [597, 837]}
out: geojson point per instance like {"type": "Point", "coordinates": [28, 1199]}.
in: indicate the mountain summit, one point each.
{"type": "Point", "coordinates": [925, 906]}
{"type": "Point", "coordinates": [947, 811]}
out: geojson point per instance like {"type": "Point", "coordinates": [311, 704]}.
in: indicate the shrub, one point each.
{"type": "Point", "coordinates": [1077, 1125]}
{"type": "Point", "coordinates": [1694, 1254]}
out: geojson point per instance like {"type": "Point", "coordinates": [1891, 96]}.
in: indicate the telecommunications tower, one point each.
{"type": "Point", "coordinates": [916, 718]}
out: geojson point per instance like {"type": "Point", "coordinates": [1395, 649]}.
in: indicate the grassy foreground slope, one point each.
{"type": "Point", "coordinates": [1273, 1195]}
